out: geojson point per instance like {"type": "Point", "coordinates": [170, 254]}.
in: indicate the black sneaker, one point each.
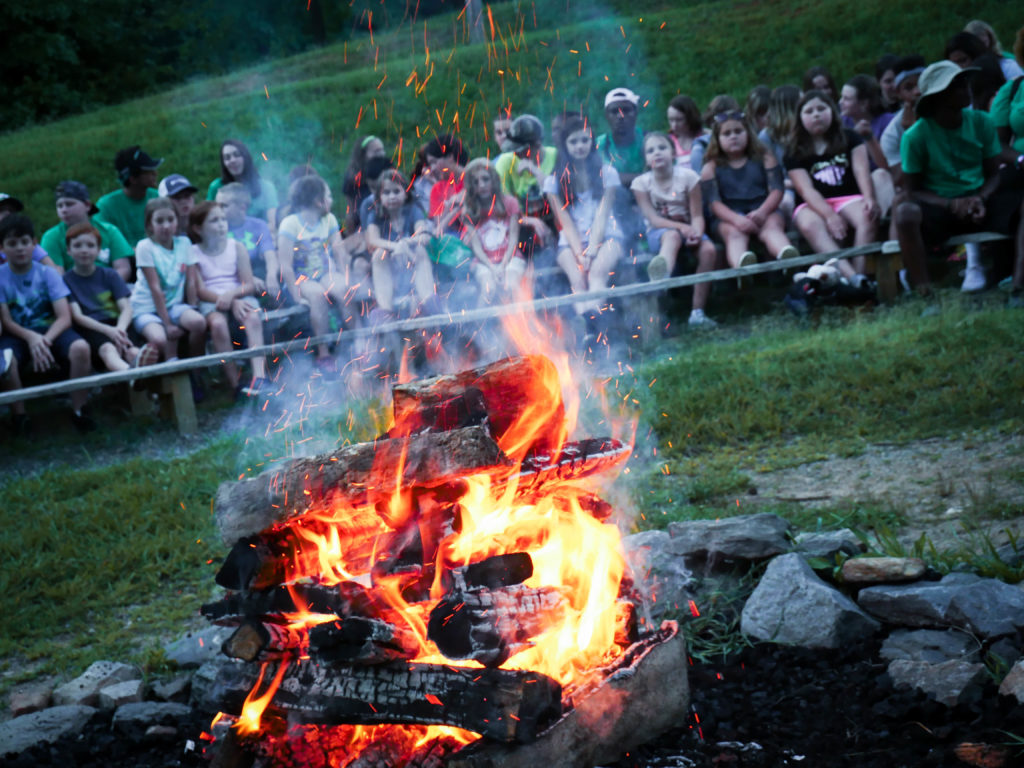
{"type": "Point", "coordinates": [83, 423]}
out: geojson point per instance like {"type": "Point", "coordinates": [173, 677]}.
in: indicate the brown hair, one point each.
{"type": "Point", "coordinates": [197, 217]}
{"type": "Point", "coordinates": [158, 204]}
{"type": "Point", "coordinates": [472, 206]}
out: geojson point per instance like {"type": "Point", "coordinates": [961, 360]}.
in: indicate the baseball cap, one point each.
{"type": "Point", "coordinates": [75, 190]}
{"type": "Point", "coordinates": [133, 161]}
{"type": "Point", "coordinates": [526, 131]}
{"type": "Point", "coordinates": [174, 184]}
{"type": "Point", "coordinates": [621, 94]}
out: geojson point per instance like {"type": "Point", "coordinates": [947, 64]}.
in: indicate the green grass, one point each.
{"type": "Point", "coordinates": [410, 82]}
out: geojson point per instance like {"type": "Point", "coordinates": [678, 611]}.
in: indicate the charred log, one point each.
{"type": "Point", "coordinates": [346, 599]}
{"type": "Point", "coordinates": [511, 390]}
{"type": "Point", "coordinates": [504, 705]}
{"type": "Point", "coordinates": [489, 626]}
{"type": "Point", "coordinates": [259, 641]}
{"type": "Point", "coordinates": [493, 573]}
{"type": "Point", "coordinates": [575, 460]}
{"type": "Point", "coordinates": [360, 640]}
{"type": "Point", "coordinates": [356, 475]}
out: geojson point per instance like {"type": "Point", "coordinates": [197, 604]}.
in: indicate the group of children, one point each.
{"type": "Point", "coordinates": [712, 190]}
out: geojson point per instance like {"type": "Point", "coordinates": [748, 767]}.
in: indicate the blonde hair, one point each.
{"type": "Point", "coordinates": [984, 32]}
{"type": "Point", "coordinates": [474, 208]}
{"type": "Point", "coordinates": [235, 190]}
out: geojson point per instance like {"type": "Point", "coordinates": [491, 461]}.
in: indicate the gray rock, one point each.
{"type": "Point", "coordinates": [880, 570]}
{"type": "Point", "coordinates": [25, 702]}
{"type": "Point", "coordinates": [173, 690]}
{"type": "Point", "coordinates": [137, 717]}
{"type": "Point", "coordinates": [793, 606]}
{"type": "Point", "coordinates": [828, 544]}
{"type": "Point", "coordinates": [1006, 650]}
{"type": "Point", "coordinates": [747, 537]}
{"type": "Point", "coordinates": [43, 727]}
{"type": "Point", "coordinates": [113, 696]}
{"type": "Point", "coordinates": [951, 682]}
{"type": "Point", "coordinates": [196, 648]}
{"type": "Point", "coordinates": [207, 689]}
{"type": "Point", "coordinates": [658, 573]}
{"type": "Point", "coordinates": [931, 645]}
{"type": "Point", "coordinates": [922, 604]}
{"type": "Point", "coordinates": [988, 608]}
{"type": "Point", "coordinates": [1013, 683]}
{"type": "Point", "coordinates": [85, 689]}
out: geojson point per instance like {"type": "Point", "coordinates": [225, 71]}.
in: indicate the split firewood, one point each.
{"type": "Point", "coordinates": [514, 391]}
{"type": "Point", "coordinates": [361, 640]}
{"type": "Point", "coordinates": [504, 705]}
{"type": "Point", "coordinates": [262, 641]}
{"type": "Point", "coordinates": [491, 573]}
{"type": "Point", "coordinates": [575, 460]}
{"type": "Point", "coordinates": [345, 599]}
{"type": "Point", "coordinates": [491, 625]}
{"type": "Point", "coordinates": [354, 476]}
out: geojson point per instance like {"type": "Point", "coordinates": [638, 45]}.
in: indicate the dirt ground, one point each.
{"type": "Point", "coordinates": [943, 485]}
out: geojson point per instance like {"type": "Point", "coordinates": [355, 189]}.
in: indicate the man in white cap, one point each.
{"type": "Point", "coordinates": [951, 166]}
{"type": "Point", "coordinates": [622, 146]}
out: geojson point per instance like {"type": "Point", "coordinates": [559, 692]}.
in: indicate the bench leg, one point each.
{"type": "Point", "coordinates": [141, 405]}
{"type": "Point", "coordinates": [179, 387]}
{"type": "Point", "coordinates": [887, 265]}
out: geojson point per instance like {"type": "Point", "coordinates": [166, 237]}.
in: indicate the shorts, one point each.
{"type": "Point", "coordinates": [175, 311]}
{"type": "Point", "coordinates": [837, 203]}
{"type": "Point", "coordinates": [1002, 214]}
{"type": "Point", "coordinates": [95, 339]}
{"type": "Point", "coordinates": [61, 349]}
{"type": "Point", "coordinates": [206, 307]}
{"type": "Point", "coordinates": [654, 238]}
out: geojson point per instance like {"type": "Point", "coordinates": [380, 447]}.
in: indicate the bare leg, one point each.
{"type": "Point", "coordinates": [707, 258]}
{"type": "Point", "coordinates": [812, 227]}
{"type": "Point", "coordinates": [11, 381]}
{"type": "Point", "coordinates": [885, 191]}
{"type": "Point", "coordinates": [383, 286]}
{"type": "Point", "coordinates": [604, 262]}
{"type": "Point", "coordinates": [111, 358]}
{"type": "Point", "coordinates": [736, 243]}
{"type": "Point", "coordinates": [573, 270]}
{"type": "Point", "coordinates": [194, 325]}
{"type": "Point", "coordinates": [907, 218]}
{"type": "Point", "coordinates": [773, 234]}
{"type": "Point", "coordinates": [154, 334]}
{"type": "Point", "coordinates": [79, 357]}
{"type": "Point", "coordinates": [313, 293]}
{"type": "Point", "coordinates": [220, 340]}
{"type": "Point", "coordinates": [671, 242]}
{"type": "Point", "coordinates": [864, 231]}
{"type": "Point", "coordinates": [423, 274]}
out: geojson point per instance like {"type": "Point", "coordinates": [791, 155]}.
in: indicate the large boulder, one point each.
{"type": "Point", "coordinates": [746, 537]}
{"type": "Point", "coordinates": [660, 575]}
{"type": "Point", "coordinates": [43, 727]}
{"type": "Point", "coordinates": [988, 608]}
{"type": "Point", "coordinates": [828, 544]}
{"type": "Point", "coordinates": [792, 606]}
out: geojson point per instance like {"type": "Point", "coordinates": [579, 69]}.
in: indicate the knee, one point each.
{"type": "Point", "coordinates": [672, 240]}
{"type": "Point", "coordinates": [907, 214]}
{"type": "Point", "coordinates": [79, 351]}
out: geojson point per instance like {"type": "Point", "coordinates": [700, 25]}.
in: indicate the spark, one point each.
{"type": "Point", "coordinates": [266, 90]}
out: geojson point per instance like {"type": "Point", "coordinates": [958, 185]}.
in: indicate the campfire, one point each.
{"type": "Point", "coordinates": [452, 593]}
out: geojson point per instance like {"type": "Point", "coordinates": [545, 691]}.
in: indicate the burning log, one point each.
{"type": "Point", "coordinates": [576, 460]}
{"type": "Point", "coordinates": [504, 705]}
{"type": "Point", "coordinates": [491, 625]}
{"type": "Point", "coordinates": [259, 641]}
{"type": "Point", "coordinates": [505, 391]}
{"type": "Point", "coordinates": [346, 599]}
{"type": "Point", "coordinates": [360, 640]}
{"type": "Point", "coordinates": [355, 475]}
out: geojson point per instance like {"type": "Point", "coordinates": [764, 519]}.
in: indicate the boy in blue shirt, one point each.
{"type": "Point", "coordinates": [36, 317]}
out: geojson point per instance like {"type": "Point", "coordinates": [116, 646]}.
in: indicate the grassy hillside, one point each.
{"type": "Point", "coordinates": [417, 79]}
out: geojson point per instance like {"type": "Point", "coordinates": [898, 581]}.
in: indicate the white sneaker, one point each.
{"type": "Point", "coordinates": [5, 361]}
{"type": "Point", "coordinates": [699, 319]}
{"type": "Point", "coordinates": [974, 280]}
{"type": "Point", "coordinates": [748, 258]}
{"type": "Point", "coordinates": [905, 282]}
{"type": "Point", "coordinates": [657, 269]}
{"type": "Point", "coordinates": [789, 252]}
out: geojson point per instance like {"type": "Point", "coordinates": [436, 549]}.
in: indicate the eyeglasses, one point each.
{"type": "Point", "coordinates": [722, 117]}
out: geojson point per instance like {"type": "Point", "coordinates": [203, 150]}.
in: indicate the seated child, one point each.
{"type": "Point", "coordinates": [35, 315]}
{"type": "Point", "coordinates": [314, 263]}
{"type": "Point", "coordinates": [669, 197]}
{"type": "Point", "coordinates": [255, 236]}
{"type": "Point", "coordinates": [9, 205]}
{"type": "Point", "coordinates": [743, 187]}
{"type": "Point", "coordinates": [396, 235]}
{"type": "Point", "coordinates": [101, 308]}
{"type": "Point", "coordinates": [74, 206]}
{"type": "Point", "coordinates": [162, 300]}
{"type": "Point", "coordinates": [226, 284]}
{"type": "Point", "coordinates": [492, 232]}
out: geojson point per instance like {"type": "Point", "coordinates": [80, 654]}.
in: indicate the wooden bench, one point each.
{"type": "Point", "coordinates": [175, 390]}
